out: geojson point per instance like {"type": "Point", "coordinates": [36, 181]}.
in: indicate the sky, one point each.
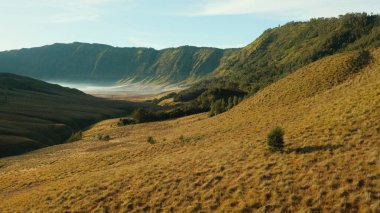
{"type": "Point", "coordinates": [158, 23]}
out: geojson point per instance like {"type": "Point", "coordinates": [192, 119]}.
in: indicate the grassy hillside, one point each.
{"type": "Point", "coordinates": [35, 114]}
{"type": "Point", "coordinates": [282, 50]}
{"type": "Point", "coordinates": [102, 63]}
{"type": "Point", "coordinates": [221, 164]}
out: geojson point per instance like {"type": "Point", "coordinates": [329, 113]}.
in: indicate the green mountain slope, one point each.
{"type": "Point", "coordinates": [35, 114]}
{"type": "Point", "coordinates": [281, 50]}
{"type": "Point", "coordinates": [96, 62]}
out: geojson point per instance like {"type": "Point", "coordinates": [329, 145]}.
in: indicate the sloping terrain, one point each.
{"type": "Point", "coordinates": [81, 62]}
{"type": "Point", "coordinates": [35, 114]}
{"type": "Point", "coordinates": [276, 53]}
{"type": "Point", "coordinates": [282, 50]}
{"type": "Point", "coordinates": [328, 109]}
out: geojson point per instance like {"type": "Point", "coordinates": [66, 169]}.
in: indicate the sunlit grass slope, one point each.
{"type": "Point", "coordinates": [35, 114]}
{"type": "Point", "coordinates": [328, 109]}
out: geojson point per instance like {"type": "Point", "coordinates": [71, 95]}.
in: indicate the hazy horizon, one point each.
{"type": "Point", "coordinates": [129, 89]}
{"type": "Point", "coordinates": [83, 42]}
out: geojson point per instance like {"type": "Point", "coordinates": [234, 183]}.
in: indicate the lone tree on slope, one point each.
{"type": "Point", "coordinates": [276, 139]}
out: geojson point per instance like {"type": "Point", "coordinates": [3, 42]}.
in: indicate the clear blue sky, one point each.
{"type": "Point", "coordinates": [157, 23]}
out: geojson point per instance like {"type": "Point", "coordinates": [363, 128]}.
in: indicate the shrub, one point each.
{"type": "Point", "coordinates": [141, 115]}
{"type": "Point", "coordinates": [102, 137]}
{"type": "Point", "coordinates": [276, 139]}
{"type": "Point", "coordinates": [106, 138]}
{"type": "Point", "coordinates": [182, 139]}
{"type": "Point", "coordinates": [151, 140]}
{"type": "Point", "coordinates": [75, 137]}
{"type": "Point", "coordinates": [125, 121]}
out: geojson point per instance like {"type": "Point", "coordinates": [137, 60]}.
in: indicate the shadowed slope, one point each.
{"type": "Point", "coordinates": [35, 114]}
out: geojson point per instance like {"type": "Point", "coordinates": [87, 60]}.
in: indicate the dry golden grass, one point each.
{"type": "Point", "coordinates": [202, 164]}
{"type": "Point", "coordinates": [135, 98]}
{"type": "Point", "coordinates": [168, 102]}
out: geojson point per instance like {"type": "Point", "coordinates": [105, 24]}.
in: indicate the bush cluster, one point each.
{"type": "Point", "coordinates": [125, 121]}
{"type": "Point", "coordinates": [213, 100]}
{"type": "Point", "coordinates": [220, 105]}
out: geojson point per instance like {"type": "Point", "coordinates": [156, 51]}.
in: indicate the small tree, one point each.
{"type": "Point", "coordinates": [213, 108]}
{"type": "Point", "coordinates": [276, 139]}
{"type": "Point", "coordinates": [216, 107]}
{"type": "Point", "coordinates": [151, 140]}
{"type": "Point", "coordinates": [235, 100]}
{"type": "Point", "coordinates": [223, 105]}
{"type": "Point", "coordinates": [230, 103]}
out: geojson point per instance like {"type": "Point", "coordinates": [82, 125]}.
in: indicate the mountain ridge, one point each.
{"type": "Point", "coordinates": [282, 50]}
{"type": "Point", "coordinates": [273, 55]}
{"type": "Point", "coordinates": [98, 62]}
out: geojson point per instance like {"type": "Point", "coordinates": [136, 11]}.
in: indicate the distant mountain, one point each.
{"type": "Point", "coordinates": [276, 53]}
{"type": "Point", "coordinates": [96, 62]}
{"type": "Point", "coordinates": [36, 114]}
